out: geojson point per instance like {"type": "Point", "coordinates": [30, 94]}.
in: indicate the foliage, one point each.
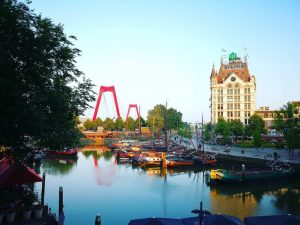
{"type": "Point", "coordinates": [130, 124]}
{"type": "Point", "coordinates": [119, 124]}
{"type": "Point", "coordinates": [185, 131]}
{"type": "Point", "coordinates": [42, 90]}
{"type": "Point", "coordinates": [257, 141]}
{"type": "Point", "coordinates": [256, 124]}
{"type": "Point", "coordinates": [161, 117]}
{"type": "Point", "coordinates": [236, 128]}
{"type": "Point", "coordinates": [173, 119]}
{"type": "Point", "coordinates": [155, 118]}
{"type": "Point", "coordinates": [207, 131]}
{"type": "Point", "coordinates": [226, 135]}
{"type": "Point", "coordinates": [108, 124]}
{"type": "Point", "coordinates": [287, 121]}
{"type": "Point", "coordinates": [221, 126]}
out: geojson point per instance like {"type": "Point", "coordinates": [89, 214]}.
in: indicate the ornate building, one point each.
{"type": "Point", "coordinates": [233, 91]}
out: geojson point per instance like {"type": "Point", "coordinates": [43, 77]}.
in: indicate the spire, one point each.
{"type": "Point", "coordinates": [213, 71]}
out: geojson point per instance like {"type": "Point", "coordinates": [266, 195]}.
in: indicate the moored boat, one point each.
{"type": "Point", "coordinates": [69, 152]}
{"type": "Point", "coordinates": [177, 161]}
{"type": "Point", "coordinates": [229, 176]}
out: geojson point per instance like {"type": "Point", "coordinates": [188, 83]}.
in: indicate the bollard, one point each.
{"type": "Point", "coordinates": [61, 200]}
{"type": "Point", "coordinates": [98, 220]}
{"type": "Point", "coordinates": [43, 189]}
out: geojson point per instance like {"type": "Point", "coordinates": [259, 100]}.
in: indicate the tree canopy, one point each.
{"type": "Point", "coordinates": [287, 121]}
{"type": "Point", "coordinates": [41, 90]}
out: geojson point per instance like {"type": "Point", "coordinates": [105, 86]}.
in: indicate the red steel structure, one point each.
{"type": "Point", "coordinates": [136, 108]}
{"type": "Point", "coordinates": [102, 90]}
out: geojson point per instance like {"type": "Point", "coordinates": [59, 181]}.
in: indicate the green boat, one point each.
{"type": "Point", "coordinates": [229, 176]}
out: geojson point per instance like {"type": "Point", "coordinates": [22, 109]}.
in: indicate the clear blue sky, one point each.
{"type": "Point", "coordinates": [153, 50]}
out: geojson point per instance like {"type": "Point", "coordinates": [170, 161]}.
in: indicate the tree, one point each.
{"type": "Point", "coordinates": [256, 123]}
{"type": "Point", "coordinates": [257, 141]}
{"type": "Point", "coordinates": [42, 90]}
{"type": "Point", "coordinates": [108, 124]}
{"type": "Point", "coordinates": [287, 121]}
{"type": "Point", "coordinates": [131, 124]}
{"type": "Point", "coordinates": [155, 118]}
{"type": "Point", "coordinates": [207, 131]}
{"type": "Point", "coordinates": [221, 126]}
{"type": "Point", "coordinates": [88, 124]}
{"type": "Point", "coordinates": [173, 118]}
{"type": "Point", "coordinates": [119, 123]}
{"type": "Point", "coordinates": [97, 123]}
{"type": "Point", "coordinates": [236, 128]}
{"type": "Point", "coordinates": [185, 131]}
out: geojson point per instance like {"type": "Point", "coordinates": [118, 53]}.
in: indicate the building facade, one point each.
{"type": "Point", "coordinates": [233, 91]}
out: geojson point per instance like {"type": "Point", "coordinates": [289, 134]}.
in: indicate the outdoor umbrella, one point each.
{"type": "Point", "coordinates": [271, 220]}
{"type": "Point", "coordinates": [156, 221]}
{"type": "Point", "coordinates": [213, 220]}
{"type": "Point", "coordinates": [18, 173]}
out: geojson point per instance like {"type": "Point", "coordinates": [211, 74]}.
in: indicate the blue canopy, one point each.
{"type": "Point", "coordinates": [273, 220]}
{"type": "Point", "coordinates": [207, 220]}
{"type": "Point", "coordinates": [213, 220]}
{"type": "Point", "coordinates": [156, 221]}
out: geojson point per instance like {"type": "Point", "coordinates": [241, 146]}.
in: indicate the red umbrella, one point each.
{"type": "Point", "coordinates": [18, 173]}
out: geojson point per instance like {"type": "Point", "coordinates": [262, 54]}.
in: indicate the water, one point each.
{"type": "Point", "coordinates": [95, 184]}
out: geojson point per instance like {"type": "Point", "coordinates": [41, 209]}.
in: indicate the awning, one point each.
{"type": "Point", "coordinates": [271, 220]}
{"type": "Point", "coordinates": [18, 173]}
{"type": "Point", "coordinates": [207, 220]}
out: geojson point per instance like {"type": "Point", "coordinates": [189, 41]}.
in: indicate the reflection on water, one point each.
{"type": "Point", "coordinates": [55, 165]}
{"type": "Point", "coordinates": [103, 186]}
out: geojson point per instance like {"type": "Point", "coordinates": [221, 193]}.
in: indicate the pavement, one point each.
{"type": "Point", "coordinates": [261, 153]}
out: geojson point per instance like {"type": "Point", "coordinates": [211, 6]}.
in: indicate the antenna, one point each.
{"type": "Point", "coordinates": [246, 55]}
{"type": "Point", "coordinates": [223, 54]}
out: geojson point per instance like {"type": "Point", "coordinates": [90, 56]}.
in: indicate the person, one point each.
{"type": "Point", "coordinates": [243, 151]}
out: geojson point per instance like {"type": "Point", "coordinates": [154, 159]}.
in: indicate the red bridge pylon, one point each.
{"type": "Point", "coordinates": [102, 90]}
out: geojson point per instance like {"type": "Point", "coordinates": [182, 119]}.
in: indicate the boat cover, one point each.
{"type": "Point", "coordinates": [272, 220]}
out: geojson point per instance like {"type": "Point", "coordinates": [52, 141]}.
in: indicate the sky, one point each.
{"type": "Point", "coordinates": [158, 51]}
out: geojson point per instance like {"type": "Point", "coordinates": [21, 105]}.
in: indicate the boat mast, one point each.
{"type": "Point", "coordinates": [202, 134]}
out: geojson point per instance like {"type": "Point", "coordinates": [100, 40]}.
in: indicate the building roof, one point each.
{"type": "Point", "coordinates": [236, 66]}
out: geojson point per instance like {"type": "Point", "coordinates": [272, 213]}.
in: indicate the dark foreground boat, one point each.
{"type": "Point", "coordinates": [229, 176]}
{"type": "Point", "coordinates": [70, 153]}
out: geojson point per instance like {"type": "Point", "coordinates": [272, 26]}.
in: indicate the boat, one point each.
{"type": "Point", "coordinates": [230, 176]}
{"type": "Point", "coordinates": [69, 152]}
{"type": "Point", "coordinates": [178, 161]}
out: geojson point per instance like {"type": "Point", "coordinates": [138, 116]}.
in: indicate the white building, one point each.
{"type": "Point", "coordinates": [233, 91]}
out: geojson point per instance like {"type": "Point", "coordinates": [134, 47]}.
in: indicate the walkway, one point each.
{"type": "Point", "coordinates": [261, 153]}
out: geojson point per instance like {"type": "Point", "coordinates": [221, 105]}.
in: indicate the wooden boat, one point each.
{"type": "Point", "coordinates": [178, 161]}
{"type": "Point", "coordinates": [69, 152]}
{"type": "Point", "coordinates": [228, 176]}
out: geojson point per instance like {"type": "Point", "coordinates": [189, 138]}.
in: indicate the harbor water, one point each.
{"type": "Point", "coordinates": [95, 183]}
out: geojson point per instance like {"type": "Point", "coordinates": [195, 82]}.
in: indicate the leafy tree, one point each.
{"type": "Point", "coordinates": [226, 134]}
{"type": "Point", "coordinates": [155, 118]}
{"type": "Point", "coordinates": [287, 121]}
{"type": "Point", "coordinates": [257, 141]}
{"type": "Point", "coordinates": [130, 124]}
{"type": "Point", "coordinates": [185, 131]}
{"type": "Point", "coordinates": [236, 128]}
{"type": "Point", "coordinates": [256, 123]}
{"type": "Point", "coordinates": [207, 131]}
{"type": "Point", "coordinates": [88, 124]}
{"type": "Point", "coordinates": [221, 126]}
{"type": "Point", "coordinates": [119, 123]}
{"type": "Point", "coordinates": [41, 90]}
{"type": "Point", "coordinates": [108, 124]}
{"type": "Point", "coordinates": [173, 119]}
{"type": "Point", "coordinates": [143, 122]}
{"type": "Point", "coordinates": [97, 123]}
